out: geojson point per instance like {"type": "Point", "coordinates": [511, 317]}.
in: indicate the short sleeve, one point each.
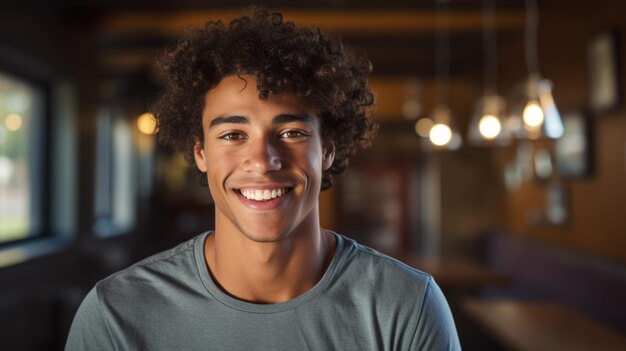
{"type": "Point", "coordinates": [89, 330]}
{"type": "Point", "coordinates": [435, 329]}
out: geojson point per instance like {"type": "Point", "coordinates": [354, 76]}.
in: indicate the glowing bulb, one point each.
{"type": "Point", "coordinates": [489, 126]}
{"type": "Point", "coordinates": [440, 134]}
{"type": "Point", "coordinates": [423, 126]}
{"type": "Point", "coordinates": [146, 123]}
{"type": "Point", "coordinates": [533, 114]}
{"type": "Point", "coordinates": [13, 122]}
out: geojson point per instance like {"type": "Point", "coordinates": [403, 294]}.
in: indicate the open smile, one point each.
{"type": "Point", "coordinates": [260, 194]}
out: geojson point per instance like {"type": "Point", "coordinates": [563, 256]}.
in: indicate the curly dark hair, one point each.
{"type": "Point", "coordinates": [282, 57]}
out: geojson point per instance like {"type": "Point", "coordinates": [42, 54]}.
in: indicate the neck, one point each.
{"type": "Point", "coordinates": [268, 272]}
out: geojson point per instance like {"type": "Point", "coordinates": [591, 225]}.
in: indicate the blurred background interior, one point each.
{"type": "Point", "coordinates": [500, 164]}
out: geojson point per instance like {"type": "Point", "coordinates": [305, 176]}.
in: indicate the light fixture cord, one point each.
{"type": "Point", "coordinates": [490, 48]}
{"type": "Point", "coordinates": [532, 25]}
{"type": "Point", "coordinates": [442, 52]}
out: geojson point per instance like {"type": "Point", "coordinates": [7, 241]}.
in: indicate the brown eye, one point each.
{"type": "Point", "coordinates": [290, 134]}
{"type": "Point", "coordinates": [232, 136]}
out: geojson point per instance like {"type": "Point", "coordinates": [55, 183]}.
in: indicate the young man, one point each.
{"type": "Point", "coordinates": [269, 112]}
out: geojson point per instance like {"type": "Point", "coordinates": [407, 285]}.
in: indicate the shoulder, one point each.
{"type": "Point", "coordinates": [386, 270]}
{"type": "Point", "coordinates": [89, 330]}
{"type": "Point", "coordinates": [389, 276]}
{"type": "Point", "coordinates": [166, 267]}
{"type": "Point", "coordinates": [150, 290]}
{"type": "Point", "coordinates": [386, 288]}
{"type": "Point", "coordinates": [373, 277]}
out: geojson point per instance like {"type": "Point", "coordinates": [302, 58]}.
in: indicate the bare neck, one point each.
{"type": "Point", "coordinates": [269, 272]}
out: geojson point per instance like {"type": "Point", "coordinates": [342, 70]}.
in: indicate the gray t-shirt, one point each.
{"type": "Point", "coordinates": [364, 301]}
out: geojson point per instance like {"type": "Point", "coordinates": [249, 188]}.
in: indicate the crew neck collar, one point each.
{"type": "Point", "coordinates": [232, 302]}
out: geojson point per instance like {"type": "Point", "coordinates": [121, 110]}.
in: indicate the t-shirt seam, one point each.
{"type": "Point", "coordinates": [421, 313]}
{"type": "Point", "coordinates": [151, 260]}
{"type": "Point", "coordinates": [104, 319]}
{"type": "Point", "coordinates": [173, 252]}
{"type": "Point", "coordinates": [404, 268]}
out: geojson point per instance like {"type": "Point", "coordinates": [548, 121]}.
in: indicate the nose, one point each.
{"type": "Point", "coordinates": [262, 156]}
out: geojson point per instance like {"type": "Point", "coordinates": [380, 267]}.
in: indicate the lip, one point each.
{"type": "Point", "coordinates": [266, 204]}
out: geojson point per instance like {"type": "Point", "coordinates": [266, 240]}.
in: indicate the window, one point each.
{"type": "Point", "coordinates": [115, 176]}
{"type": "Point", "coordinates": [38, 173]}
{"type": "Point", "coordinates": [21, 160]}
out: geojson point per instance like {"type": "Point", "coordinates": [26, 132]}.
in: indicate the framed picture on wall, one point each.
{"type": "Point", "coordinates": [604, 70]}
{"type": "Point", "coordinates": [573, 149]}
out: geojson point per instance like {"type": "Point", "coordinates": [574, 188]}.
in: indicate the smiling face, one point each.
{"type": "Point", "coordinates": [264, 161]}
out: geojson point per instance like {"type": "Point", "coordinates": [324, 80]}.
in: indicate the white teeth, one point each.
{"type": "Point", "coordinates": [262, 194]}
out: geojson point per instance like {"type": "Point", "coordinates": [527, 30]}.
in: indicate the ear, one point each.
{"type": "Point", "coordinates": [198, 154]}
{"type": "Point", "coordinates": [328, 155]}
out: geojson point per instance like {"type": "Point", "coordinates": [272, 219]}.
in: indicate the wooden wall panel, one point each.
{"type": "Point", "coordinates": [597, 203]}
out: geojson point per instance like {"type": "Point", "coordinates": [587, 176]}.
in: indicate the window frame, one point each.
{"type": "Point", "coordinates": [38, 156]}
{"type": "Point", "coordinates": [112, 123]}
{"type": "Point", "coordinates": [52, 234]}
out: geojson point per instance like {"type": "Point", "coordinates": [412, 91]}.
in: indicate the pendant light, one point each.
{"type": "Point", "coordinates": [442, 134]}
{"type": "Point", "coordinates": [488, 125]}
{"type": "Point", "coordinates": [540, 115]}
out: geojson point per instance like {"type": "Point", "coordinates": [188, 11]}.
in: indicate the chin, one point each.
{"type": "Point", "coordinates": [267, 235]}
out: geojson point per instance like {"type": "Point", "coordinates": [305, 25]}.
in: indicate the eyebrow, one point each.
{"type": "Point", "coordinates": [286, 118]}
{"type": "Point", "coordinates": [280, 119]}
{"type": "Point", "coordinates": [228, 119]}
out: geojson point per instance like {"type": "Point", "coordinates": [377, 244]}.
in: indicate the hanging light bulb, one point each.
{"type": "Point", "coordinates": [540, 116]}
{"type": "Point", "coordinates": [488, 123]}
{"type": "Point", "coordinates": [440, 134]}
{"type": "Point", "coordinates": [489, 126]}
{"type": "Point", "coordinates": [533, 119]}
{"type": "Point", "coordinates": [533, 115]}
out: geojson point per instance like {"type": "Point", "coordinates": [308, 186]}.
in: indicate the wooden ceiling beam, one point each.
{"type": "Point", "coordinates": [350, 22]}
